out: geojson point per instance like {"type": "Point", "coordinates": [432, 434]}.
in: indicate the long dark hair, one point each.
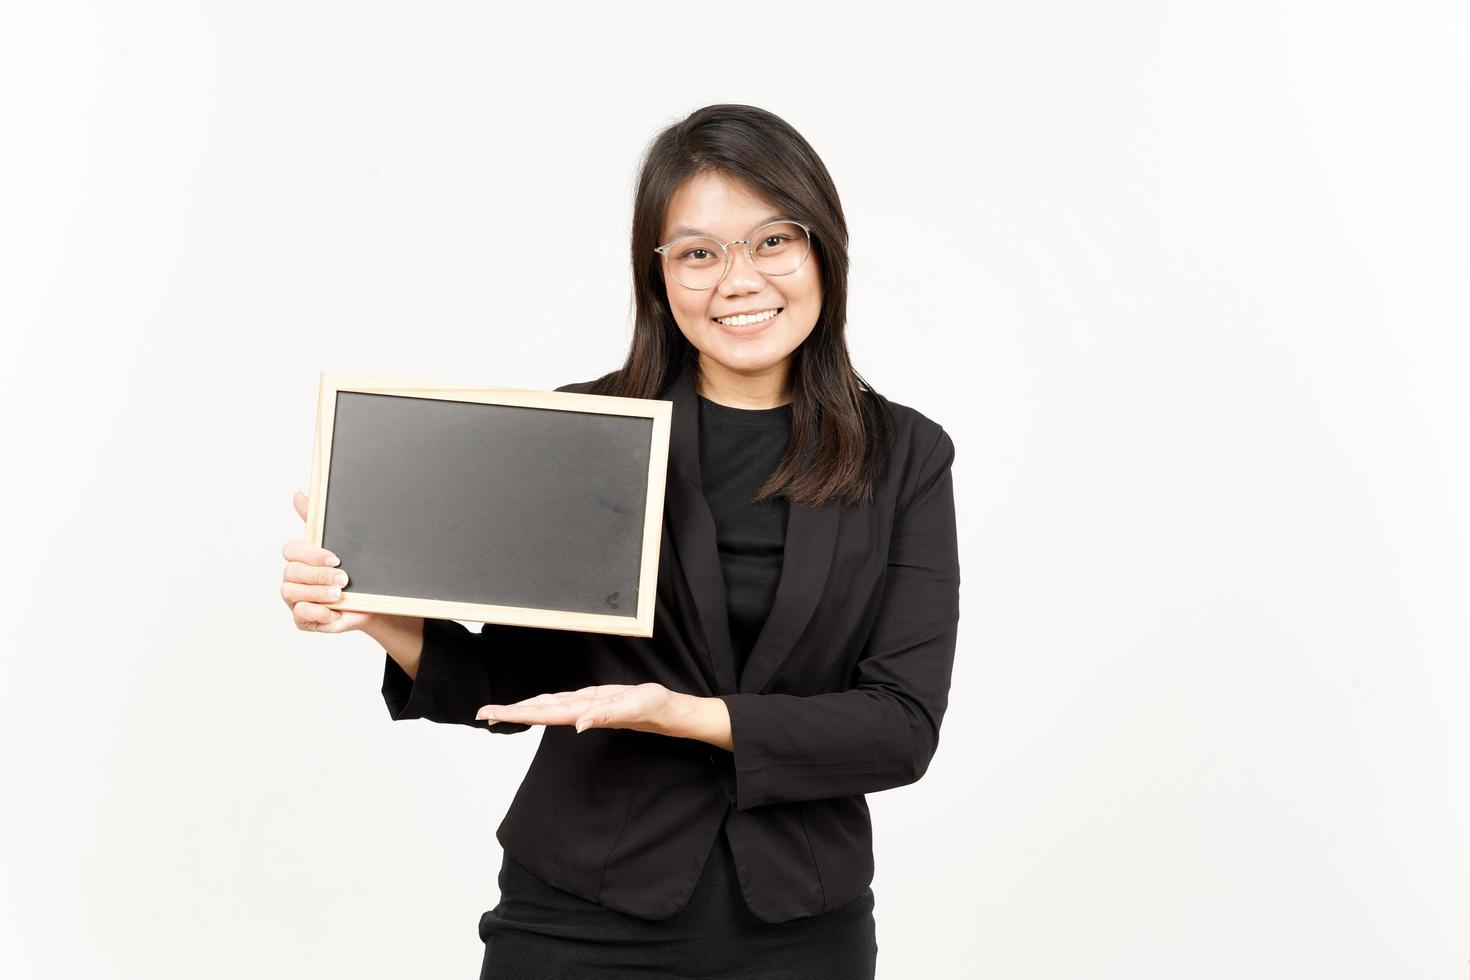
{"type": "Point", "coordinates": [841, 429]}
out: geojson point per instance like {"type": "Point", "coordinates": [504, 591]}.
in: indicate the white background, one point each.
{"type": "Point", "coordinates": [1186, 284]}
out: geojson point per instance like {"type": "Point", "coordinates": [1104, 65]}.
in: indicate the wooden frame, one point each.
{"type": "Point", "coordinates": [660, 412]}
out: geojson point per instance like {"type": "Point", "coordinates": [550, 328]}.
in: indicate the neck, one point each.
{"type": "Point", "coordinates": [761, 389]}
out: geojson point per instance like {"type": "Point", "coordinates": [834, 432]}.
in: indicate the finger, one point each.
{"type": "Point", "coordinates": [308, 574]}
{"type": "Point", "coordinates": [538, 700]}
{"type": "Point", "coordinates": [310, 616]}
{"type": "Point", "coordinates": [299, 500]}
{"type": "Point", "coordinates": [574, 700]}
{"type": "Point", "coordinates": [587, 704]}
{"type": "Point", "coordinates": [595, 691]}
{"type": "Point", "coordinates": [599, 716]}
{"type": "Point", "coordinates": [294, 592]}
{"type": "Point", "coordinates": [568, 704]}
{"type": "Point", "coordinates": [530, 714]}
{"type": "Point", "coordinates": [299, 549]}
{"type": "Point", "coordinates": [581, 693]}
{"type": "Point", "coordinates": [608, 690]}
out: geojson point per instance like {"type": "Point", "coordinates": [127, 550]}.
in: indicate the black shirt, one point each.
{"type": "Point", "coordinates": [739, 448]}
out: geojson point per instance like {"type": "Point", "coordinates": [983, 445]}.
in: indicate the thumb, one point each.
{"type": "Point", "coordinates": [299, 500]}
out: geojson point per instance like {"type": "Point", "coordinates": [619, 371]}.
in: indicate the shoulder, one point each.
{"type": "Point", "coordinates": [916, 436]}
{"type": "Point", "coordinates": [922, 451]}
{"type": "Point", "coordinates": [910, 425]}
{"type": "Point", "coordinates": [604, 383]}
{"type": "Point", "coordinates": [579, 387]}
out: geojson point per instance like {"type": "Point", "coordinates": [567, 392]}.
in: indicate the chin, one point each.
{"type": "Point", "coordinates": [748, 356]}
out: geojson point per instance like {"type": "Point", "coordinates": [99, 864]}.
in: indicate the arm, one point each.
{"type": "Point", "coordinates": [702, 719]}
{"type": "Point", "coordinates": [401, 636]}
{"type": "Point", "coordinates": [882, 732]}
{"type": "Point", "coordinates": [455, 671]}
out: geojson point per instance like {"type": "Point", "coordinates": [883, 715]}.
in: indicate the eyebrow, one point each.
{"type": "Point", "coordinates": [683, 232]}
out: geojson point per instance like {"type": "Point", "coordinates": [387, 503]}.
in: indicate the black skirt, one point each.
{"type": "Point", "coordinates": [538, 932]}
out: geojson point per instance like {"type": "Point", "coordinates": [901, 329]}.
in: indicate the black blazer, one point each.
{"type": "Point", "coordinates": [842, 695]}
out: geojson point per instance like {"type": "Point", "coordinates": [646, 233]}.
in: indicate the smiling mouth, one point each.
{"type": "Point", "coordinates": [751, 320]}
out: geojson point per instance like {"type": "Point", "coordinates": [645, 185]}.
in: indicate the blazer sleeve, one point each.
{"type": "Point", "coordinates": [460, 670]}
{"type": "Point", "coordinates": [883, 731]}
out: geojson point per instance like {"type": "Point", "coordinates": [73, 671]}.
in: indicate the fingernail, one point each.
{"type": "Point", "coordinates": [334, 593]}
{"type": "Point", "coordinates": [333, 560]}
{"type": "Point", "coordinates": [581, 727]}
{"type": "Point", "coordinates": [340, 578]}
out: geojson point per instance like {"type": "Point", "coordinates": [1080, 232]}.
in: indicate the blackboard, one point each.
{"type": "Point", "coordinates": [497, 505]}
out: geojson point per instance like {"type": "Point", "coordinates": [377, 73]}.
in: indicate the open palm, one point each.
{"type": "Point", "coordinates": [641, 707]}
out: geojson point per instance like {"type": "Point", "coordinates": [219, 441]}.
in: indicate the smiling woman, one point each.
{"type": "Point", "coordinates": [740, 260]}
{"type": "Point", "coordinates": [696, 805]}
{"type": "Point", "coordinates": [740, 274]}
{"type": "Point", "coordinates": [744, 308]}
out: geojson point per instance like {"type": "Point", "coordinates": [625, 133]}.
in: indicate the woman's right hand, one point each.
{"type": "Point", "coordinates": [312, 579]}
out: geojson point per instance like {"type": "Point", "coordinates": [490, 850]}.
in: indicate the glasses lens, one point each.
{"type": "Point", "coordinates": [779, 248]}
{"type": "Point", "coordinates": [697, 262]}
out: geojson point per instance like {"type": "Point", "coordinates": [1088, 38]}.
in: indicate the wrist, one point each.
{"type": "Point", "coordinates": [701, 719]}
{"type": "Point", "coordinates": [675, 719]}
{"type": "Point", "coordinates": [388, 630]}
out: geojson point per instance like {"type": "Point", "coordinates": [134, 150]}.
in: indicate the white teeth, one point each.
{"type": "Point", "coordinates": [741, 321]}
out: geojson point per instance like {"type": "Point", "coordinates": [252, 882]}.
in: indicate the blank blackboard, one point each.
{"type": "Point", "coordinates": [500, 505]}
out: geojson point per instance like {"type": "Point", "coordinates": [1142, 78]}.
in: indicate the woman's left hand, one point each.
{"type": "Point", "coordinates": [642, 707]}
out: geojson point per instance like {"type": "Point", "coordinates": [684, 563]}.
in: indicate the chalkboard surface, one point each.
{"type": "Point", "coordinates": [492, 504]}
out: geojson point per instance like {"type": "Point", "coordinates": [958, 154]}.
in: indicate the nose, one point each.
{"type": "Point", "coordinates": [742, 275]}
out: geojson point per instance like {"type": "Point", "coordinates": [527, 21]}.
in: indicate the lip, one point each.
{"type": "Point", "coordinates": [749, 328]}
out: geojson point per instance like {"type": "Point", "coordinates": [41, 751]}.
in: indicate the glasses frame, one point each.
{"type": "Point", "coordinates": [725, 251]}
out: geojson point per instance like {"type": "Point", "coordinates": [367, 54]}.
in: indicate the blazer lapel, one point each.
{"type": "Point", "coordinates": [811, 536]}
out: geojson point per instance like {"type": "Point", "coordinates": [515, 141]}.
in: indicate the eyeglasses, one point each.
{"type": "Point", "coordinates": [699, 262]}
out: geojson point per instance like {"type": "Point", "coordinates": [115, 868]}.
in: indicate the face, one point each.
{"type": "Point", "coordinates": [756, 357]}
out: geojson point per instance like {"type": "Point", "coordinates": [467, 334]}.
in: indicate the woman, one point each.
{"type": "Point", "coordinates": [695, 806]}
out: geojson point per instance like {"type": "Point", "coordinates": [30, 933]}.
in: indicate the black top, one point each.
{"type": "Point", "coordinates": [530, 928]}
{"type": "Point", "coordinates": [739, 448]}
